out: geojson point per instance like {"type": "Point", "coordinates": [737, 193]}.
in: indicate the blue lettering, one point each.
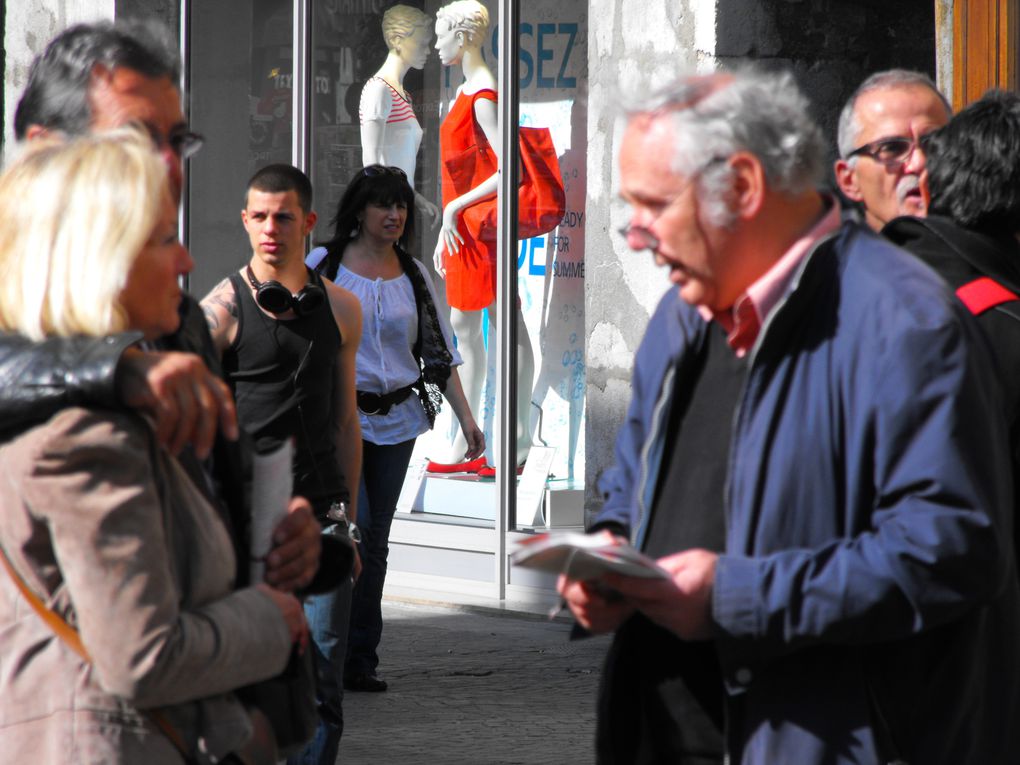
{"type": "Point", "coordinates": [526, 62]}
{"type": "Point", "coordinates": [562, 81]}
{"type": "Point", "coordinates": [544, 54]}
{"type": "Point", "coordinates": [530, 71]}
{"type": "Point", "coordinates": [536, 269]}
{"type": "Point", "coordinates": [521, 255]}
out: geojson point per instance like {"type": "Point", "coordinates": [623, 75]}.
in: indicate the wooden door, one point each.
{"type": "Point", "coordinates": [984, 47]}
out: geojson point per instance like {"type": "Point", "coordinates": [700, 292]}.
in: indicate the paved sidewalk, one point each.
{"type": "Point", "coordinates": [471, 687]}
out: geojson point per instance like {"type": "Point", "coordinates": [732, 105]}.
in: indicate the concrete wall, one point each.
{"type": "Point", "coordinates": [28, 26]}
{"type": "Point", "coordinates": [830, 45]}
{"type": "Point", "coordinates": [626, 51]}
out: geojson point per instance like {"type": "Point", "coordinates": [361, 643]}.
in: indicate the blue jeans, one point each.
{"type": "Point", "coordinates": [383, 468]}
{"type": "Point", "coordinates": [328, 616]}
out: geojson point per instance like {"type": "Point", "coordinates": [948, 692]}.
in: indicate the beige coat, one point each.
{"type": "Point", "coordinates": [106, 526]}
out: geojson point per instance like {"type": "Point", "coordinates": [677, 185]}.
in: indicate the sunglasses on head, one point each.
{"type": "Point", "coordinates": [375, 170]}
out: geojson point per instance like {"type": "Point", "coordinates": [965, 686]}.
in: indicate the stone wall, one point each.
{"type": "Point", "coordinates": [28, 26]}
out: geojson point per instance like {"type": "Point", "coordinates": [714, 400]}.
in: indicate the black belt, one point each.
{"type": "Point", "coordinates": [381, 403]}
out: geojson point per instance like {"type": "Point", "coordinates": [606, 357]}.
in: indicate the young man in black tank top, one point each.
{"type": "Point", "coordinates": [288, 342]}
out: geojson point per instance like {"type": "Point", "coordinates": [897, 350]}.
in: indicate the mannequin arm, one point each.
{"type": "Point", "coordinates": [449, 236]}
{"type": "Point", "coordinates": [371, 142]}
{"type": "Point", "coordinates": [428, 209]}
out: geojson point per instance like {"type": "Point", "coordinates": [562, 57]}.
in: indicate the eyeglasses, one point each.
{"type": "Point", "coordinates": [375, 170]}
{"type": "Point", "coordinates": [642, 236]}
{"type": "Point", "coordinates": [183, 143]}
{"type": "Point", "coordinates": [886, 151]}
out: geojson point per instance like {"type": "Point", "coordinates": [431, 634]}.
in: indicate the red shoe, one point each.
{"type": "Point", "coordinates": [490, 472]}
{"type": "Point", "coordinates": [471, 466]}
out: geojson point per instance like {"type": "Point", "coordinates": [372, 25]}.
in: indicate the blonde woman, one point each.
{"type": "Point", "coordinates": [99, 522]}
{"type": "Point", "coordinates": [390, 131]}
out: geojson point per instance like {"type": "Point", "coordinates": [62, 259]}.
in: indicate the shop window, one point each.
{"type": "Point", "coordinates": [243, 72]}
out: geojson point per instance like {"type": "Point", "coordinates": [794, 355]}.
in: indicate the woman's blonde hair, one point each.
{"type": "Point", "coordinates": [401, 21]}
{"type": "Point", "coordinates": [467, 16]}
{"type": "Point", "coordinates": [74, 217]}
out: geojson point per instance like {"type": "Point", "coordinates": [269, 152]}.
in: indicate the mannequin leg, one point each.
{"type": "Point", "coordinates": [467, 326]}
{"type": "Point", "coordinates": [525, 382]}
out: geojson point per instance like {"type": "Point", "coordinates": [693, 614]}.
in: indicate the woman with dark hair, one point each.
{"type": "Point", "coordinates": [406, 359]}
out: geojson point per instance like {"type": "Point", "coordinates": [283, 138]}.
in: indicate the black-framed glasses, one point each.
{"type": "Point", "coordinates": [886, 151]}
{"type": "Point", "coordinates": [373, 171]}
{"type": "Point", "coordinates": [183, 143]}
{"type": "Point", "coordinates": [642, 236]}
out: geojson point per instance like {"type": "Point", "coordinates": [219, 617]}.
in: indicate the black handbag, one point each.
{"type": "Point", "coordinates": [288, 701]}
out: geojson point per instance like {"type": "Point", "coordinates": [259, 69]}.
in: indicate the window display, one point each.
{"type": "Point", "coordinates": [412, 84]}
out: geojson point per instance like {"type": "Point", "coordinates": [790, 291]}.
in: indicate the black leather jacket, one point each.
{"type": "Point", "coordinates": [39, 379]}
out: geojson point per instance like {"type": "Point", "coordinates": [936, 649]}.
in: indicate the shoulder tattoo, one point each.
{"type": "Point", "coordinates": [223, 298]}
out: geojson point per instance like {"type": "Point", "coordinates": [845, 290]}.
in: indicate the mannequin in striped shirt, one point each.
{"type": "Point", "coordinates": [390, 133]}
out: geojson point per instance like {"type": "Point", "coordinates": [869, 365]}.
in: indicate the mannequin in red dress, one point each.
{"type": "Point", "coordinates": [461, 257]}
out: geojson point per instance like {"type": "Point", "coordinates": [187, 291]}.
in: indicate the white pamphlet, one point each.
{"type": "Point", "coordinates": [272, 484]}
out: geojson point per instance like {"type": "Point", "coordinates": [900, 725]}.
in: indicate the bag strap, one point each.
{"type": "Point", "coordinates": [983, 294]}
{"type": "Point", "coordinates": [70, 636]}
{"type": "Point", "coordinates": [480, 138]}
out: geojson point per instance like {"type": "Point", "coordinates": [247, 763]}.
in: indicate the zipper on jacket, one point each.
{"type": "Point", "coordinates": [665, 396]}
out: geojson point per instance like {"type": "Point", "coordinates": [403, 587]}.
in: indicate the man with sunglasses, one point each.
{"type": "Point", "coordinates": [814, 457]}
{"type": "Point", "coordinates": [881, 164]}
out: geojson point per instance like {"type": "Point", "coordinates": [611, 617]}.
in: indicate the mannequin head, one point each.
{"type": "Point", "coordinates": [408, 32]}
{"type": "Point", "coordinates": [460, 24]}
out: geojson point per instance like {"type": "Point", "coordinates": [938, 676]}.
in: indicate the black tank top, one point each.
{"type": "Point", "coordinates": [284, 375]}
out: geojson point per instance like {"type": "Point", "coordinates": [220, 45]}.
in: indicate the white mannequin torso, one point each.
{"type": "Point", "coordinates": [390, 131]}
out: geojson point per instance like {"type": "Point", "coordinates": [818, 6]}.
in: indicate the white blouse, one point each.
{"type": "Point", "coordinates": [385, 361]}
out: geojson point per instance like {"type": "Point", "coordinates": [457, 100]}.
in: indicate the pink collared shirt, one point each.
{"type": "Point", "coordinates": [744, 320]}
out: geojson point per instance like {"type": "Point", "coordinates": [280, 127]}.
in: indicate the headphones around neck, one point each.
{"type": "Point", "coordinates": [277, 299]}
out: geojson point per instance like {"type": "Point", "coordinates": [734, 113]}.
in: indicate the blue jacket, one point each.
{"type": "Point", "coordinates": [865, 608]}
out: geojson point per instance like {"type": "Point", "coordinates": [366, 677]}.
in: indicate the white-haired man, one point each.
{"type": "Point", "coordinates": [814, 454]}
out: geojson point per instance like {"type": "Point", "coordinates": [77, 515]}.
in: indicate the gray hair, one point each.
{"type": "Point", "coordinates": [763, 113]}
{"type": "Point", "coordinates": [849, 127]}
{"type": "Point", "coordinates": [59, 81]}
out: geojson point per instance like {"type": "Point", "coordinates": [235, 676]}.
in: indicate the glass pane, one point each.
{"type": "Point", "coordinates": [553, 89]}
{"type": "Point", "coordinates": [240, 100]}
{"type": "Point", "coordinates": [398, 103]}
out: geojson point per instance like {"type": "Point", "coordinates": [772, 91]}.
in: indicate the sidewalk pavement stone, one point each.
{"type": "Point", "coordinates": [471, 687]}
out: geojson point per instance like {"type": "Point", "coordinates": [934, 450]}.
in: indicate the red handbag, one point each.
{"type": "Point", "coordinates": [541, 200]}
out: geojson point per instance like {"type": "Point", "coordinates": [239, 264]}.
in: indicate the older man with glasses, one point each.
{"type": "Point", "coordinates": [813, 455]}
{"type": "Point", "coordinates": [881, 164]}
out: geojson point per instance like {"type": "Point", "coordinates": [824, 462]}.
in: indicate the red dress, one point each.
{"type": "Point", "coordinates": [470, 273]}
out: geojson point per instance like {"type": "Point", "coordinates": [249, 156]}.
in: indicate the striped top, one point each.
{"type": "Point", "coordinates": [395, 108]}
{"type": "Point", "coordinates": [381, 102]}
